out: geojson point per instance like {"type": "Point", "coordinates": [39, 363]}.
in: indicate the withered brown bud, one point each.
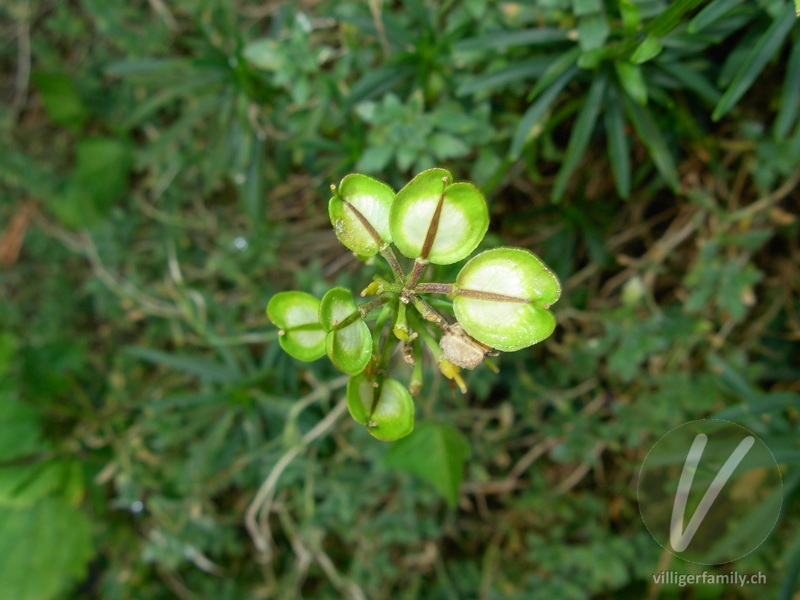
{"type": "Point", "coordinates": [461, 349]}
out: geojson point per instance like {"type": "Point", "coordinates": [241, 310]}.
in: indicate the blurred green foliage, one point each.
{"type": "Point", "coordinates": [163, 172]}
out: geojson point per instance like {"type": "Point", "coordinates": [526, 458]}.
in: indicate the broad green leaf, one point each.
{"type": "Point", "coordinates": [102, 168]}
{"type": "Point", "coordinates": [350, 346]}
{"type": "Point", "coordinates": [359, 213]}
{"type": "Point", "coordinates": [297, 315]}
{"type": "Point", "coordinates": [767, 46]}
{"type": "Point", "coordinates": [654, 141]}
{"type": "Point", "coordinates": [586, 7]}
{"type": "Point", "coordinates": [529, 122]}
{"type": "Point", "coordinates": [384, 406]}
{"type": "Point", "coordinates": [503, 297]}
{"type": "Point", "coordinates": [436, 453]}
{"type": "Point", "coordinates": [20, 433]}
{"type": "Point", "coordinates": [61, 99]}
{"type": "Point", "coordinates": [631, 19]}
{"type": "Point", "coordinates": [100, 177]}
{"type": "Point", "coordinates": [436, 220]}
{"type": "Point", "coordinates": [45, 547]}
{"type": "Point", "coordinates": [581, 134]}
{"type": "Point", "coordinates": [618, 152]}
{"type": "Point", "coordinates": [375, 158]}
{"type": "Point", "coordinates": [445, 146]}
{"type": "Point", "coordinates": [647, 50]}
{"type": "Point", "coordinates": [25, 483]}
{"type": "Point", "coordinates": [593, 31]}
{"type": "Point", "coordinates": [630, 77]}
{"type": "Point", "coordinates": [264, 54]}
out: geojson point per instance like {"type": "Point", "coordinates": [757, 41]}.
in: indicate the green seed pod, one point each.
{"type": "Point", "coordinates": [297, 315]}
{"type": "Point", "coordinates": [348, 342]}
{"type": "Point", "coordinates": [384, 406]}
{"type": "Point", "coordinates": [359, 212]}
{"type": "Point", "coordinates": [503, 296]}
{"type": "Point", "coordinates": [436, 220]}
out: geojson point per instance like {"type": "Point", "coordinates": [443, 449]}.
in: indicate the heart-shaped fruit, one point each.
{"type": "Point", "coordinates": [359, 212]}
{"type": "Point", "coordinates": [502, 298]}
{"type": "Point", "coordinates": [384, 405]}
{"type": "Point", "coordinates": [297, 315]}
{"type": "Point", "coordinates": [436, 220]}
{"type": "Point", "coordinates": [348, 342]}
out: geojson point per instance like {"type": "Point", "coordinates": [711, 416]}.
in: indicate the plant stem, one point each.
{"type": "Point", "coordinates": [365, 309]}
{"type": "Point", "coordinates": [428, 340]}
{"type": "Point", "coordinates": [416, 272]}
{"type": "Point", "coordinates": [435, 288]}
{"type": "Point", "coordinates": [429, 313]}
{"type": "Point", "coordinates": [380, 323]}
{"type": "Point", "coordinates": [361, 311]}
{"type": "Point", "coordinates": [415, 385]}
{"type": "Point", "coordinates": [388, 254]}
{"type": "Point", "coordinates": [383, 369]}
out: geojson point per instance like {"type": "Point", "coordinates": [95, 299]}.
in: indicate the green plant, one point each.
{"type": "Point", "coordinates": [638, 65]}
{"type": "Point", "coordinates": [175, 154]}
{"type": "Point", "coordinates": [500, 298]}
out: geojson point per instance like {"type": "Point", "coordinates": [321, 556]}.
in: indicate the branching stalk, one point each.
{"type": "Point", "coordinates": [388, 254]}
{"type": "Point", "coordinates": [434, 288]}
{"type": "Point", "coordinates": [419, 268]}
{"type": "Point", "coordinates": [362, 311]}
{"type": "Point", "coordinates": [429, 313]}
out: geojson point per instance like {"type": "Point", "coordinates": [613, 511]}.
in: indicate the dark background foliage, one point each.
{"type": "Point", "coordinates": [164, 170]}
